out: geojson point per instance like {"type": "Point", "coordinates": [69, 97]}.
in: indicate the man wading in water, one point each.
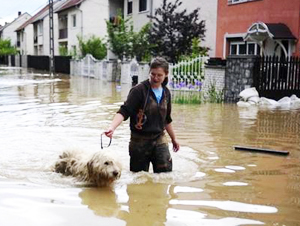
{"type": "Point", "coordinates": [149, 107]}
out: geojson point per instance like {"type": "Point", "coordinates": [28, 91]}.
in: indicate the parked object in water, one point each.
{"type": "Point", "coordinates": [263, 150]}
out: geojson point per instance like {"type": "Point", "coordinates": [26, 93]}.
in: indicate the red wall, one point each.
{"type": "Point", "coordinates": [237, 18]}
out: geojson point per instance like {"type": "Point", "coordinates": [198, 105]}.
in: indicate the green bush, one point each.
{"type": "Point", "coordinates": [94, 46]}
{"type": "Point", "coordinates": [187, 97]}
{"type": "Point", "coordinates": [63, 50]}
{"type": "Point", "coordinates": [213, 95]}
{"type": "Point", "coordinates": [6, 48]}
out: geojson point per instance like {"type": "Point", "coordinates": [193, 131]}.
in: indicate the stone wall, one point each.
{"type": "Point", "coordinates": [238, 75]}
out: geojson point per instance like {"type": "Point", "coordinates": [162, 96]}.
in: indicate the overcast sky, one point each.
{"type": "Point", "coordinates": [9, 8]}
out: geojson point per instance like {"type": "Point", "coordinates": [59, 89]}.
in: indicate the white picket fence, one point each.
{"type": "Point", "coordinates": [103, 70]}
{"type": "Point", "coordinates": [90, 67]}
{"type": "Point", "coordinates": [187, 75]}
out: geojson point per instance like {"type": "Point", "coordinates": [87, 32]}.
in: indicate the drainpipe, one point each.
{"type": "Point", "coordinates": [81, 13]}
{"type": "Point", "coordinates": [25, 42]}
{"type": "Point", "coordinates": [151, 10]}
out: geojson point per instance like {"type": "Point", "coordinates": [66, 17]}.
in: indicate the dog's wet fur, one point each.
{"type": "Point", "coordinates": [98, 169]}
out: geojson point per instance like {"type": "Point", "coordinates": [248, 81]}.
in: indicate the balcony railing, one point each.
{"type": "Point", "coordinates": [63, 33]}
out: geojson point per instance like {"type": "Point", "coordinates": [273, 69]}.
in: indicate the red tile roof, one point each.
{"type": "Point", "coordinates": [69, 4]}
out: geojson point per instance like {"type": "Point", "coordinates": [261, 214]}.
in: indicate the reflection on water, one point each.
{"type": "Point", "coordinates": [212, 184]}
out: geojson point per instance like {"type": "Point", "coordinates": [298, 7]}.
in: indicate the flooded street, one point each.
{"type": "Point", "coordinates": [211, 184]}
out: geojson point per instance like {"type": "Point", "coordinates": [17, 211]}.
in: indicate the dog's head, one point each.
{"type": "Point", "coordinates": [103, 169]}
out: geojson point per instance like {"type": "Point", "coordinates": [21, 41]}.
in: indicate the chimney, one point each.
{"type": "Point", "coordinates": [19, 13]}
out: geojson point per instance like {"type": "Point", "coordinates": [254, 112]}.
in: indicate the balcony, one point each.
{"type": "Point", "coordinates": [63, 33]}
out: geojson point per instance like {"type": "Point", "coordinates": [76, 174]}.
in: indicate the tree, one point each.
{"type": "Point", "coordinates": [120, 36]}
{"type": "Point", "coordinates": [141, 46]}
{"type": "Point", "coordinates": [126, 43]}
{"type": "Point", "coordinates": [197, 50]}
{"type": "Point", "coordinates": [6, 48]}
{"type": "Point", "coordinates": [172, 31]}
{"type": "Point", "coordinates": [94, 46]}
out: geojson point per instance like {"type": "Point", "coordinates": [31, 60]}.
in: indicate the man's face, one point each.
{"type": "Point", "coordinates": [157, 75]}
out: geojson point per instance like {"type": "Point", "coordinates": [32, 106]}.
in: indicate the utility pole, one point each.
{"type": "Point", "coordinates": [51, 36]}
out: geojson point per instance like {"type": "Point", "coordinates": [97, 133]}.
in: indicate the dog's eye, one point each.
{"type": "Point", "coordinates": [106, 163]}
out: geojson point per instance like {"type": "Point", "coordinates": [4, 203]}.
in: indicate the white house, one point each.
{"type": "Point", "coordinates": [139, 10]}
{"type": "Point", "coordinates": [25, 34]}
{"type": "Point", "coordinates": [8, 30]}
{"type": "Point", "coordinates": [84, 18]}
{"type": "Point", "coordinates": [41, 31]}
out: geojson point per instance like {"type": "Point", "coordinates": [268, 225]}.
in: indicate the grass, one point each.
{"type": "Point", "coordinates": [185, 96]}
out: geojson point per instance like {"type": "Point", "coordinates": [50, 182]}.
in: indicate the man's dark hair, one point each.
{"type": "Point", "coordinates": [160, 62]}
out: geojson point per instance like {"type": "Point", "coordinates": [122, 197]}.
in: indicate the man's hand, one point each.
{"type": "Point", "coordinates": [109, 133]}
{"type": "Point", "coordinates": [176, 146]}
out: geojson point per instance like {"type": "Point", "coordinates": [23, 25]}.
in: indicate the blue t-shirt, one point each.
{"type": "Point", "coordinates": [158, 93]}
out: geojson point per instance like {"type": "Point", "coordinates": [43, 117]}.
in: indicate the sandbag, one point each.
{"type": "Point", "coordinates": [243, 104]}
{"type": "Point", "coordinates": [254, 100]}
{"type": "Point", "coordinates": [284, 103]}
{"type": "Point", "coordinates": [265, 102]}
{"type": "Point", "coordinates": [247, 93]}
{"type": "Point", "coordinates": [295, 102]}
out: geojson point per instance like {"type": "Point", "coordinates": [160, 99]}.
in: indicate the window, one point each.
{"type": "Point", "coordinates": [231, 2]}
{"type": "Point", "coordinates": [251, 48]}
{"type": "Point", "coordinates": [129, 7]}
{"type": "Point", "coordinates": [74, 20]}
{"type": "Point", "coordinates": [233, 49]}
{"type": "Point", "coordinates": [142, 5]}
{"type": "Point", "coordinates": [244, 48]}
{"type": "Point", "coordinates": [40, 28]}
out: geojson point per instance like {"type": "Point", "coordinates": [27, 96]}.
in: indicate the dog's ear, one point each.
{"type": "Point", "coordinates": [90, 167]}
{"type": "Point", "coordinates": [60, 166]}
{"type": "Point", "coordinates": [73, 161]}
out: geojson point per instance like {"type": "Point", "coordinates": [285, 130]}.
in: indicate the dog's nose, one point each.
{"type": "Point", "coordinates": [115, 173]}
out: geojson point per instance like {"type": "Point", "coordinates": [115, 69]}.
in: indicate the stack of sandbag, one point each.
{"type": "Point", "coordinates": [248, 97]}
{"type": "Point", "coordinates": [285, 103]}
{"type": "Point", "coordinates": [269, 103]}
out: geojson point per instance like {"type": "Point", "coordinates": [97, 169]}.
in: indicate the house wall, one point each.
{"type": "Point", "coordinates": [208, 12]}
{"type": "Point", "coordinates": [90, 20]}
{"type": "Point", "coordinates": [139, 19]}
{"type": "Point", "coordinates": [27, 41]}
{"type": "Point", "coordinates": [46, 35]}
{"type": "Point", "coordinates": [9, 31]}
{"type": "Point", "coordinates": [237, 18]}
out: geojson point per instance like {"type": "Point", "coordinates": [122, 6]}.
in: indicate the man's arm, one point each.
{"type": "Point", "coordinates": [118, 119]}
{"type": "Point", "coordinates": [171, 133]}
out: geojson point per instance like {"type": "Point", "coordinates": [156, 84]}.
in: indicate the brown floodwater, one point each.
{"type": "Point", "coordinates": [211, 184]}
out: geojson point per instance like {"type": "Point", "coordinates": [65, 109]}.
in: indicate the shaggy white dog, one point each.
{"type": "Point", "coordinates": [99, 169]}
